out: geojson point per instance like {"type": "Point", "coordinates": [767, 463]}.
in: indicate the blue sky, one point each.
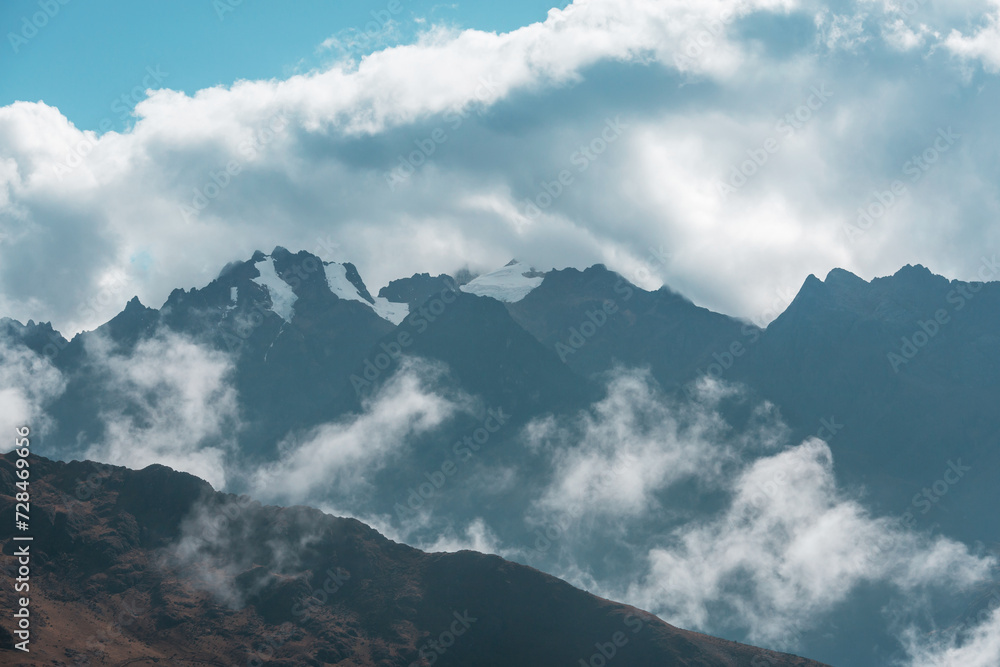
{"type": "Point", "coordinates": [91, 54]}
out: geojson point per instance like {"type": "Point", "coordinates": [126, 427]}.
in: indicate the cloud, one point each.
{"type": "Point", "coordinates": [612, 461]}
{"type": "Point", "coordinates": [982, 45]}
{"type": "Point", "coordinates": [790, 548]}
{"type": "Point", "coordinates": [975, 646]}
{"type": "Point", "coordinates": [336, 460]}
{"type": "Point", "coordinates": [171, 402]}
{"type": "Point", "coordinates": [221, 539]}
{"type": "Point", "coordinates": [902, 37]}
{"type": "Point", "coordinates": [211, 549]}
{"type": "Point", "coordinates": [28, 382]}
{"type": "Point", "coordinates": [725, 527]}
{"type": "Point", "coordinates": [477, 536]}
{"type": "Point", "coordinates": [486, 123]}
{"type": "Point", "coordinates": [840, 31]}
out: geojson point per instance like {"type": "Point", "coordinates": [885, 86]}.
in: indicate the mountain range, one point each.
{"type": "Point", "coordinates": [899, 376]}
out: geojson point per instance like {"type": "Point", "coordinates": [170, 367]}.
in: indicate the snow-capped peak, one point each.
{"type": "Point", "coordinates": [341, 285]}
{"type": "Point", "coordinates": [282, 296]}
{"type": "Point", "coordinates": [510, 284]}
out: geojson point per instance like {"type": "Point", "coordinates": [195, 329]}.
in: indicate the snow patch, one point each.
{"type": "Point", "coordinates": [234, 293]}
{"type": "Point", "coordinates": [387, 310]}
{"type": "Point", "coordinates": [336, 278]}
{"type": "Point", "coordinates": [510, 284]}
{"type": "Point", "coordinates": [282, 296]}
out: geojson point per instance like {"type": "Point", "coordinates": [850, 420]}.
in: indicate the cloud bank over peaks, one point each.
{"type": "Point", "coordinates": [504, 141]}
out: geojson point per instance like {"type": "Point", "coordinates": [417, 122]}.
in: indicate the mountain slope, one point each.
{"type": "Point", "coordinates": [488, 354]}
{"type": "Point", "coordinates": [294, 326]}
{"type": "Point", "coordinates": [417, 289]}
{"type": "Point", "coordinates": [154, 566]}
{"type": "Point", "coordinates": [594, 319]}
{"type": "Point", "coordinates": [907, 370]}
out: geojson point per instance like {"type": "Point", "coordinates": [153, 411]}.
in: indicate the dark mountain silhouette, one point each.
{"type": "Point", "coordinates": [289, 374]}
{"type": "Point", "coordinates": [39, 337]}
{"type": "Point", "coordinates": [908, 368]}
{"type": "Point", "coordinates": [903, 392]}
{"type": "Point", "coordinates": [595, 319]}
{"type": "Point", "coordinates": [417, 289]}
{"type": "Point", "coordinates": [900, 375]}
{"type": "Point", "coordinates": [489, 355]}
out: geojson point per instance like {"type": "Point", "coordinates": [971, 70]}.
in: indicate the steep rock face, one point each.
{"type": "Point", "coordinates": [488, 355]}
{"type": "Point", "coordinates": [904, 368]}
{"type": "Point", "coordinates": [40, 338]}
{"type": "Point", "coordinates": [907, 367]}
{"type": "Point", "coordinates": [152, 567]}
{"type": "Point", "coordinates": [417, 289]}
{"type": "Point", "coordinates": [292, 339]}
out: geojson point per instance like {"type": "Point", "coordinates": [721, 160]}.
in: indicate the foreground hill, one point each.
{"type": "Point", "coordinates": [154, 567]}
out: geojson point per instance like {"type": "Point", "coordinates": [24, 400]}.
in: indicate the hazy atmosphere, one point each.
{"type": "Point", "coordinates": [409, 333]}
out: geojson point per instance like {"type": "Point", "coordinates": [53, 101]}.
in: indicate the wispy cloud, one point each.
{"type": "Point", "coordinates": [28, 382]}
{"type": "Point", "coordinates": [477, 536]}
{"type": "Point", "coordinates": [976, 646]}
{"type": "Point", "coordinates": [223, 538]}
{"type": "Point", "coordinates": [611, 461]}
{"type": "Point", "coordinates": [791, 547]}
{"type": "Point", "coordinates": [170, 401]}
{"type": "Point", "coordinates": [336, 460]}
{"type": "Point", "coordinates": [983, 44]}
{"type": "Point", "coordinates": [781, 548]}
